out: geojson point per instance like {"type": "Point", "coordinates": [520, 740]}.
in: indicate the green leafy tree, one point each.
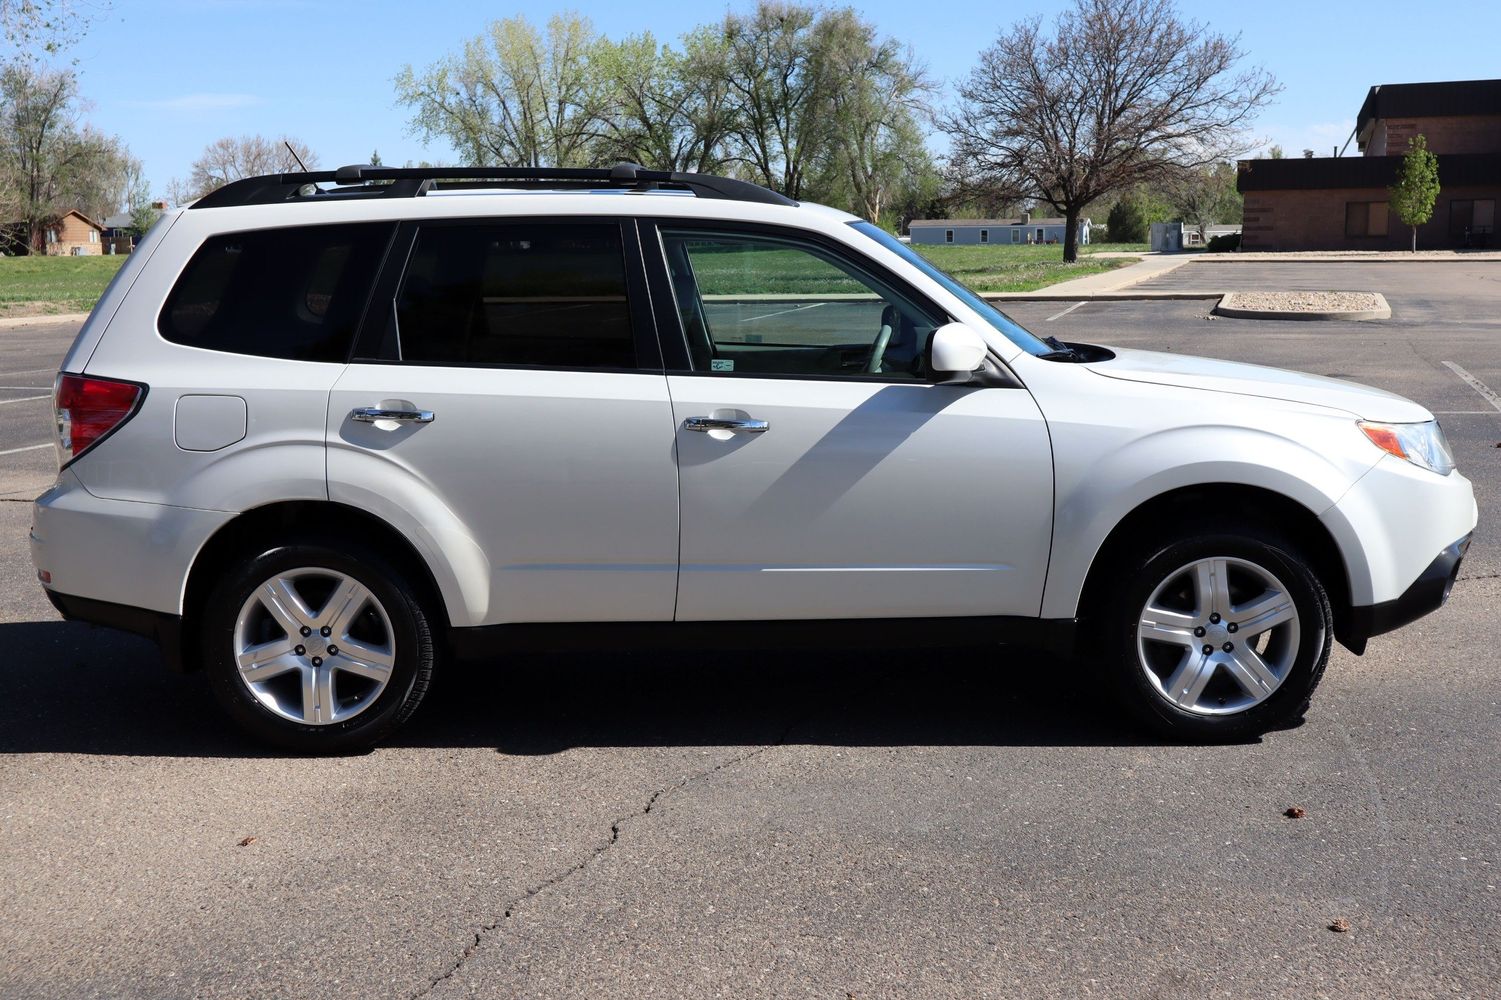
{"type": "Point", "coordinates": [1204, 196]}
{"type": "Point", "coordinates": [1127, 223]}
{"type": "Point", "coordinates": [876, 143]}
{"type": "Point", "coordinates": [1416, 190]}
{"type": "Point", "coordinates": [668, 109]}
{"type": "Point", "coordinates": [779, 79]}
{"type": "Point", "coordinates": [51, 160]}
{"type": "Point", "coordinates": [515, 96]}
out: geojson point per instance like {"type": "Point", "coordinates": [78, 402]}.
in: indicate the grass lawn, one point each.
{"type": "Point", "coordinates": [1023, 268]}
{"type": "Point", "coordinates": [34, 286]}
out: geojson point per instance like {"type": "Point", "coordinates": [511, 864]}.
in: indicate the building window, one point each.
{"type": "Point", "coordinates": [1365, 218]}
{"type": "Point", "coordinates": [1016, 235]}
{"type": "Point", "coordinates": [52, 236]}
{"type": "Point", "coordinates": [1041, 236]}
{"type": "Point", "coordinates": [948, 236]}
{"type": "Point", "coordinates": [984, 236]}
{"type": "Point", "coordinates": [93, 236]}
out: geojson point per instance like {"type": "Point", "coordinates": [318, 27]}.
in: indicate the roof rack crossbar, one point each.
{"type": "Point", "coordinates": [364, 181]}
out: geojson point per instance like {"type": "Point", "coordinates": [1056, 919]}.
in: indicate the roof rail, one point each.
{"type": "Point", "coordinates": [364, 181]}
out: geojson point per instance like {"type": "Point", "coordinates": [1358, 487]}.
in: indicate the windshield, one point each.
{"type": "Point", "coordinates": [1007, 326]}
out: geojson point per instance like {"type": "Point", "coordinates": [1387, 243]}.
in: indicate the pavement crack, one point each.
{"type": "Point", "coordinates": [652, 800]}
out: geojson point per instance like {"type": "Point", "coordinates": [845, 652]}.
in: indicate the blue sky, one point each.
{"type": "Point", "coordinates": [170, 76]}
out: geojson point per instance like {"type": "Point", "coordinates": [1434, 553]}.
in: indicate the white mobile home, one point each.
{"type": "Point", "coordinates": [978, 232]}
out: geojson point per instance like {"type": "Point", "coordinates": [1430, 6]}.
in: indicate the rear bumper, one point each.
{"type": "Point", "coordinates": [118, 552]}
{"type": "Point", "coordinates": [165, 629]}
{"type": "Point", "coordinates": [1426, 595]}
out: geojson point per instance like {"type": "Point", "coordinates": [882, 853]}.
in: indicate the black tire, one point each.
{"type": "Point", "coordinates": [1153, 564]}
{"type": "Point", "coordinates": [410, 635]}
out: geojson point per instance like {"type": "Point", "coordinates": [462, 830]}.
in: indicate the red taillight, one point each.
{"type": "Point", "coordinates": [88, 408]}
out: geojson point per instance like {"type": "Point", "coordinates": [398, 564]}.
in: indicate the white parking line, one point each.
{"type": "Point", "coordinates": [1474, 383]}
{"type": "Point", "coordinates": [783, 312]}
{"type": "Point", "coordinates": [24, 399]}
{"type": "Point", "coordinates": [1064, 313]}
{"type": "Point", "coordinates": [17, 451]}
{"type": "Point", "coordinates": [28, 371]}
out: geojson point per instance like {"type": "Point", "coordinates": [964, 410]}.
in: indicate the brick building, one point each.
{"type": "Point", "coordinates": [1340, 203]}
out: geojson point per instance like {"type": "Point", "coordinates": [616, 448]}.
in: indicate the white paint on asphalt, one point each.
{"type": "Point", "coordinates": [25, 399]}
{"type": "Point", "coordinates": [1474, 383]}
{"type": "Point", "coordinates": [28, 371]}
{"type": "Point", "coordinates": [1064, 313]}
{"type": "Point", "coordinates": [783, 312]}
{"type": "Point", "coordinates": [30, 447]}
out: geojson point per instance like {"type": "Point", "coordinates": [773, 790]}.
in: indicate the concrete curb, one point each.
{"type": "Point", "coordinates": [1122, 296]}
{"type": "Point", "coordinates": [1383, 311]}
{"type": "Point", "coordinates": [1295, 257]}
{"type": "Point", "coordinates": [6, 322]}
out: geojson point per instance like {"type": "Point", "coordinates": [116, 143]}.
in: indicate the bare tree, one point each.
{"type": "Point", "coordinates": [51, 161]}
{"type": "Point", "coordinates": [232, 159]}
{"type": "Point", "coordinates": [515, 96]}
{"type": "Point", "coordinates": [1120, 92]}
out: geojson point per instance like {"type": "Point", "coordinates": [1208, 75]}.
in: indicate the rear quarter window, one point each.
{"type": "Point", "coordinates": [294, 293]}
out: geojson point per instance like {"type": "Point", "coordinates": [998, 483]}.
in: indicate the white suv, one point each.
{"type": "Point", "coordinates": [326, 429]}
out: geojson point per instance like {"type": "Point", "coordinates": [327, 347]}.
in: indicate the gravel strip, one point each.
{"type": "Point", "coordinates": [1318, 302]}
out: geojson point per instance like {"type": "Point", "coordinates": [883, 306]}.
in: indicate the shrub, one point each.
{"type": "Point", "coordinates": [1127, 222]}
{"type": "Point", "coordinates": [1225, 243]}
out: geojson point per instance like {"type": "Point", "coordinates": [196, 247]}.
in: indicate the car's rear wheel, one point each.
{"type": "Point", "coordinates": [317, 649]}
{"type": "Point", "coordinates": [1220, 635]}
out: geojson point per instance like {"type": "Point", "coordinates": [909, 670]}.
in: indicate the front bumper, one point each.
{"type": "Point", "coordinates": [1426, 595]}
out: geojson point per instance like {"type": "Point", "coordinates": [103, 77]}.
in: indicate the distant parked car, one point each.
{"type": "Point", "coordinates": [325, 430]}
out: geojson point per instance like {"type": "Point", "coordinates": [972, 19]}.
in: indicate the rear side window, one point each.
{"type": "Point", "coordinates": [277, 293]}
{"type": "Point", "coordinates": [544, 294]}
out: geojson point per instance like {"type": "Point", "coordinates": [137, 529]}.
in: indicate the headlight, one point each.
{"type": "Point", "coordinates": [1421, 444]}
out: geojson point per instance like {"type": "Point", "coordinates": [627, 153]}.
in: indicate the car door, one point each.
{"type": "Point", "coordinates": [822, 473]}
{"type": "Point", "coordinates": [507, 405]}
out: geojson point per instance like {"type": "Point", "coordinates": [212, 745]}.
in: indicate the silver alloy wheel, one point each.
{"type": "Point", "coordinates": [1218, 636]}
{"type": "Point", "coordinates": [314, 667]}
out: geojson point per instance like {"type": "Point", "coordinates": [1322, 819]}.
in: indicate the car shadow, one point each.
{"type": "Point", "coordinates": [70, 688]}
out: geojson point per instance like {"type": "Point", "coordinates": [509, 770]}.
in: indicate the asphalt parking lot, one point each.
{"type": "Point", "coordinates": [959, 823]}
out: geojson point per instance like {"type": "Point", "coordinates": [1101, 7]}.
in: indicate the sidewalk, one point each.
{"type": "Point", "coordinates": [1113, 284]}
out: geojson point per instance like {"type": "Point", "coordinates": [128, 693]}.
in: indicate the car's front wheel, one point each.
{"type": "Point", "coordinates": [1220, 635]}
{"type": "Point", "coordinates": [316, 649]}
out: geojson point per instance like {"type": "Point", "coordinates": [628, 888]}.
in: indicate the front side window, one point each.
{"type": "Point", "coordinates": [1003, 324]}
{"type": "Point", "coordinates": [542, 294]}
{"type": "Point", "coordinates": [295, 293]}
{"type": "Point", "coordinates": [753, 304]}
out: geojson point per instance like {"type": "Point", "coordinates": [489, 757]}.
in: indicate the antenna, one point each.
{"type": "Point", "coordinates": [294, 155]}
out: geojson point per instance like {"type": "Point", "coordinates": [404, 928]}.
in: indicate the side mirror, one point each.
{"type": "Point", "coordinates": [955, 350]}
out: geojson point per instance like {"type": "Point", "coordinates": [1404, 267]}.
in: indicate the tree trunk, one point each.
{"type": "Point", "coordinates": [1070, 235]}
{"type": "Point", "coordinates": [1414, 239]}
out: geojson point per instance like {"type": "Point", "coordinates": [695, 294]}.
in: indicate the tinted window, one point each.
{"type": "Point", "coordinates": [279, 293]}
{"type": "Point", "coordinates": [528, 294]}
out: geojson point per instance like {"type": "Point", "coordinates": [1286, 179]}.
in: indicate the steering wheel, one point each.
{"type": "Point", "coordinates": [878, 346]}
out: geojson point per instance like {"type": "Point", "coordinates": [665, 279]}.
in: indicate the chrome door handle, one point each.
{"type": "Point", "coordinates": [705, 424]}
{"type": "Point", "coordinates": [370, 414]}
